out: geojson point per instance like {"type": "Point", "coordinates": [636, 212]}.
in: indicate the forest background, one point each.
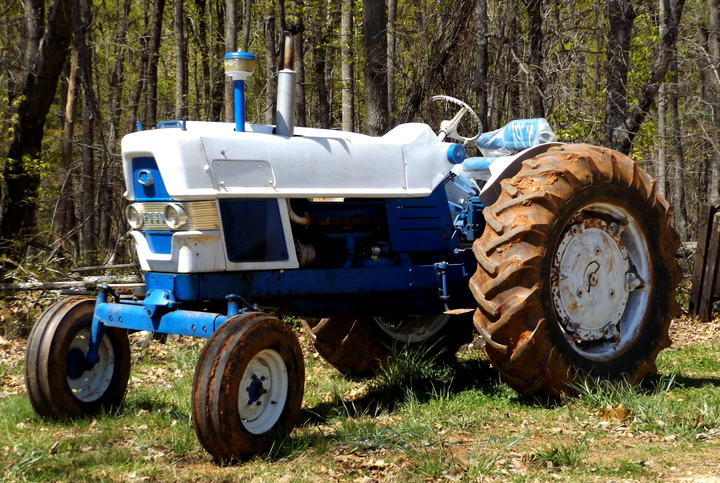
{"type": "Point", "coordinates": [641, 77]}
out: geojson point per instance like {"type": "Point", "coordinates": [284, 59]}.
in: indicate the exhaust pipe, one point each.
{"type": "Point", "coordinates": [287, 88]}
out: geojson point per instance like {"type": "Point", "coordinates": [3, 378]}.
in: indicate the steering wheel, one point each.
{"type": "Point", "coordinates": [448, 128]}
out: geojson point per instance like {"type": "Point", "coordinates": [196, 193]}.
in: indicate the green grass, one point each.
{"type": "Point", "coordinates": [416, 421]}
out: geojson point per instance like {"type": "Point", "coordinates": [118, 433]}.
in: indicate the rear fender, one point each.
{"type": "Point", "coordinates": [506, 167]}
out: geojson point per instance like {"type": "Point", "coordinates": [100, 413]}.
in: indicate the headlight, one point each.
{"type": "Point", "coordinates": [175, 216]}
{"type": "Point", "coordinates": [134, 217]}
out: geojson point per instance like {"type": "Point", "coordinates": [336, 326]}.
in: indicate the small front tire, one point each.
{"type": "Point", "coordinates": [59, 379]}
{"type": "Point", "coordinates": [248, 387]}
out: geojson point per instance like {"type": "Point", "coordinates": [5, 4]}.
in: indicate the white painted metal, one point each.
{"type": "Point", "coordinates": [212, 160]}
{"type": "Point", "coordinates": [93, 383]}
{"type": "Point", "coordinates": [599, 279]}
{"type": "Point", "coordinates": [263, 391]}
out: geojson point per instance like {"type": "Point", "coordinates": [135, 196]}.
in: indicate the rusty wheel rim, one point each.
{"type": "Point", "coordinates": [600, 280]}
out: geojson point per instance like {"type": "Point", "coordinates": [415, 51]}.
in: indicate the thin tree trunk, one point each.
{"type": "Point", "coordinates": [248, 24]}
{"type": "Point", "coordinates": [64, 218]}
{"type": "Point", "coordinates": [300, 109]}
{"type": "Point", "coordinates": [230, 46]}
{"type": "Point", "coordinates": [34, 28]}
{"type": "Point", "coordinates": [621, 16]}
{"type": "Point", "coordinates": [152, 65]}
{"type": "Point", "coordinates": [661, 169]}
{"type": "Point", "coordinates": [376, 88]}
{"type": "Point", "coordinates": [391, 60]}
{"type": "Point", "coordinates": [348, 82]}
{"type": "Point", "coordinates": [677, 156]}
{"type": "Point", "coordinates": [181, 59]}
{"type": "Point", "coordinates": [536, 73]}
{"type": "Point", "coordinates": [713, 93]}
{"type": "Point", "coordinates": [270, 67]}
{"type": "Point", "coordinates": [117, 77]}
{"type": "Point", "coordinates": [481, 19]}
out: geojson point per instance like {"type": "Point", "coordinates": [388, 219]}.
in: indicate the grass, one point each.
{"type": "Point", "coordinates": [416, 421]}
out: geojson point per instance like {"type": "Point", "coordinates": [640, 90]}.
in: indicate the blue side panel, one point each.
{"type": "Point", "coordinates": [159, 241]}
{"type": "Point", "coordinates": [147, 182]}
{"type": "Point", "coordinates": [420, 224]}
{"type": "Point", "coordinates": [253, 230]}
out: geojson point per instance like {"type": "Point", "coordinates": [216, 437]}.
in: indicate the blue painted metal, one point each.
{"type": "Point", "coordinates": [147, 182]}
{"type": "Point", "coordinates": [239, 97]}
{"type": "Point", "coordinates": [253, 230]}
{"type": "Point", "coordinates": [420, 224]}
{"type": "Point", "coordinates": [456, 153]}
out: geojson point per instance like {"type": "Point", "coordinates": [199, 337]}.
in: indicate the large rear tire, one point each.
{"type": "Point", "coordinates": [359, 345]}
{"type": "Point", "coordinates": [576, 272]}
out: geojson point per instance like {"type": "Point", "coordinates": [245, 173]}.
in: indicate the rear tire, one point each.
{"type": "Point", "coordinates": [359, 346]}
{"type": "Point", "coordinates": [576, 272]}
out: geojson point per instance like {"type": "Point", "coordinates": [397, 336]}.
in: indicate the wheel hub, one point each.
{"type": "Point", "coordinates": [88, 382]}
{"type": "Point", "coordinates": [263, 391]}
{"type": "Point", "coordinates": [589, 281]}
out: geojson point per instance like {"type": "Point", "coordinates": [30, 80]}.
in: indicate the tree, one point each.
{"type": "Point", "coordinates": [21, 175]}
{"type": "Point", "coordinates": [375, 43]}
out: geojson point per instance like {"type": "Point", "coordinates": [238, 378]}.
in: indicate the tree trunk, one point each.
{"type": "Point", "coordinates": [181, 58]}
{"type": "Point", "coordinates": [21, 176]}
{"type": "Point", "coordinates": [677, 156]}
{"type": "Point", "coordinates": [34, 27]}
{"type": "Point", "coordinates": [153, 57]}
{"type": "Point", "coordinates": [348, 84]}
{"type": "Point", "coordinates": [117, 78]}
{"type": "Point", "coordinates": [713, 94]}
{"type": "Point", "coordinates": [661, 169]}
{"type": "Point", "coordinates": [481, 19]}
{"type": "Point", "coordinates": [64, 218]}
{"type": "Point", "coordinates": [300, 109]}
{"type": "Point", "coordinates": [622, 129]}
{"type": "Point", "coordinates": [376, 88]}
{"type": "Point", "coordinates": [621, 16]}
{"type": "Point", "coordinates": [247, 26]}
{"type": "Point", "coordinates": [391, 60]}
{"type": "Point", "coordinates": [270, 68]}
{"type": "Point", "coordinates": [536, 80]}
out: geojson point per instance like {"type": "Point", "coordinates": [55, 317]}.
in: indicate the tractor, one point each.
{"type": "Point", "coordinates": [561, 256]}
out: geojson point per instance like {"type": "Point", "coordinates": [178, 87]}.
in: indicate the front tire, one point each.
{"type": "Point", "coordinates": [248, 387]}
{"type": "Point", "coordinates": [576, 272]}
{"type": "Point", "coordinates": [59, 380]}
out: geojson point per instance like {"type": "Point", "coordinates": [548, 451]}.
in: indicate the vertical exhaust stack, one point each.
{"type": "Point", "coordinates": [287, 88]}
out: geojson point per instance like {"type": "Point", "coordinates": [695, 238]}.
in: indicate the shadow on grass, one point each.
{"type": "Point", "coordinates": [654, 382]}
{"type": "Point", "coordinates": [387, 392]}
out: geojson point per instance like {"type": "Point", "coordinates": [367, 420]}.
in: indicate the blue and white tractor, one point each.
{"type": "Point", "coordinates": [561, 256]}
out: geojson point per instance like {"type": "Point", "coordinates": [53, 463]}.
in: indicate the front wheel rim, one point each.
{"type": "Point", "coordinates": [263, 391]}
{"type": "Point", "coordinates": [89, 382]}
{"type": "Point", "coordinates": [600, 280]}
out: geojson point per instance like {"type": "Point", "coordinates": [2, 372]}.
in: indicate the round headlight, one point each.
{"type": "Point", "coordinates": [134, 217]}
{"type": "Point", "coordinates": [175, 216]}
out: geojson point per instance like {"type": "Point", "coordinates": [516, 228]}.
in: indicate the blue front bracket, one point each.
{"type": "Point", "coordinates": [162, 309]}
